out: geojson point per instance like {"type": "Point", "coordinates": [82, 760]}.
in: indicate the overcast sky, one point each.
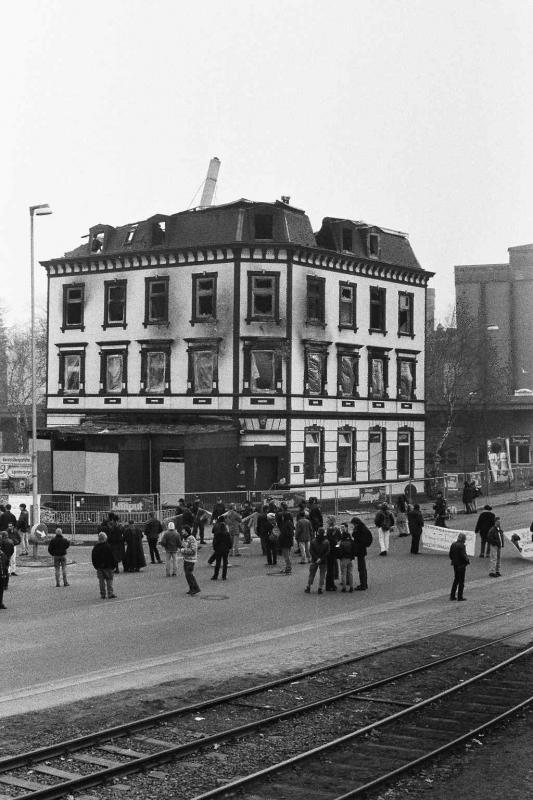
{"type": "Point", "coordinates": [414, 115]}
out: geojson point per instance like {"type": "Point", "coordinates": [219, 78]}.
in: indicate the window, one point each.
{"type": "Point", "coordinates": [71, 369]}
{"type": "Point", "coordinates": [346, 453]}
{"type": "Point", "coordinates": [519, 449]}
{"type": "Point", "coordinates": [204, 297]}
{"type": "Point", "coordinates": [97, 242]}
{"type": "Point", "coordinates": [377, 309]}
{"type": "Point", "coordinates": [377, 454]}
{"type": "Point", "coordinates": [129, 235]}
{"type": "Point", "coordinates": [73, 306]}
{"type": "Point", "coordinates": [347, 306]}
{"type": "Point", "coordinates": [315, 367]}
{"type": "Point", "coordinates": [264, 226]}
{"type": "Point", "coordinates": [263, 296]}
{"type": "Point", "coordinates": [347, 239]}
{"type": "Point", "coordinates": [115, 304]}
{"type": "Point", "coordinates": [316, 306]}
{"type": "Point", "coordinates": [313, 453]}
{"type": "Point", "coordinates": [263, 366]}
{"type": "Point", "coordinates": [113, 367]}
{"type": "Point", "coordinates": [405, 314]}
{"type": "Point", "coordinates": [378, 373]}
{"type": "Point", "coordinates": [156, 301]}
{"type": "Point", "coordinates": [406, 379]}
{"type": "Point", "coordinates": [347, 371]}
{"type": "Point", "coordinates": [481, 453]}
{"type": "Point", "coordinates": [155, 366]}
{"type": "Point", "coordinates": [373, 245]}
{"type": "Point", "coordinates": [405, 453]}
{"type": "Point", "coordinates": [159, 232]}
{"type": "Point", "coordinates": [203, 366]}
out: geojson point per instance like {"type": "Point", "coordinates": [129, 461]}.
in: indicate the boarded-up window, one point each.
{"type": "Point", "coordinates": [377, 384]}
{"type": "Point", "coordinates": [114, 372]}
{"type": "Point", "coordinates": [203, 369]}
{"type": "Point", "coordinates": [262, 371]}
{"type": "Point", "coordinates": [348, 375]}
{"type": "Point", "coordinates": [155, 372]}
{"type": "Point", "coordinates": [315, 372]}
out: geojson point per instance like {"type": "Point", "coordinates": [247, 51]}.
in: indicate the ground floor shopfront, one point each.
{"type": "Point", "coordinates": [117, 456]}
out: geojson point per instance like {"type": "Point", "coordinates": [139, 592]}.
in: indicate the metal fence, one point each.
{"type": "Point", "coordinates": [451, 484]}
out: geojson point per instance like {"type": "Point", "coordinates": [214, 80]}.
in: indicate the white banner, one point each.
{"type": "Point", "coordinates": [523, 544]}
{"type": "Point", "coordinates": [440, 539]}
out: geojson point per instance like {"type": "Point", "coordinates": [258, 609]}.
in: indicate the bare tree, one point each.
{"type": "Point", "coordinates": [19, 378]}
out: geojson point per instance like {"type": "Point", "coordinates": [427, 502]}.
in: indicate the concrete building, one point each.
{"type": "Point", "coordinates": [230, 346]}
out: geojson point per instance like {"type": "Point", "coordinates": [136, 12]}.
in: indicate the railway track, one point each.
{"type": "Point", "coordinates": [436, 684]}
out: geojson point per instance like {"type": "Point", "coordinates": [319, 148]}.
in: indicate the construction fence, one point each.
{"type": "Point", "coordinates": [451, 484]}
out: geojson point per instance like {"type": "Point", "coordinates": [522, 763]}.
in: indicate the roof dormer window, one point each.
{"type": "Point", "coordinates": [264, 226]}
{"type": "Point", "coordinates": [373, 245]}
{"type": "Point", "coordinates": [129, 236]}
{"type": "Point", "coordinates": [97, 242]}
{"type": "Point", "coordinates": [347, 239]}
{"type": "Point", "coordinates": [159, 232]}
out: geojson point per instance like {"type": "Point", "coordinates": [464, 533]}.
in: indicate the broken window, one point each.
{"type": "Point", "coordinates": [377, 378]}
{"type": "Point", "coordinates": [156, 371]}
{"type": "Point", "coordinates": [316, 363]}
{"type": "Point", "coordinates": [262, 371]}
{"type": "Point", "coordinates": [73, 301]}
{"type": "Point", "coordinates": [203, 371]}
{"type": "Point", "coordinates": [115, 303]}
{"type": "Point", "coordinates": [377, 454]}
{"type": "Point", "coordinates": [156, 300]}
{"type": "Point", "coordinates": [347, 293]}
{"type": "Point", "coordinates": [377, 309]}
{"type": "Point", "coordinates": [129, 235]}
{"type": "Point", "coordinates": [263, 296]}
{"type": "Point", "coordinates": [114, 373]}
{"type": "Point", "coordinates": [348, 375]}
{"type": "Point", "coordinates": [159, 233]}
{"type": "Point", "coordinates": [406, 379]}
{"type": "Point", "coordinates": [405, 453]}
{"type": "Point", "coordinates": [97, 242]}
{"type": "Point", "coordinates": [204, 297]}
{"type": "Point", "coordinates": [264, 226]}
{"type": "Point", "coordinates": [405, 313]}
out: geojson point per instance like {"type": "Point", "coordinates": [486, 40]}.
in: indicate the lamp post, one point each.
{"type": "Point", "coordinates": [39, 210]}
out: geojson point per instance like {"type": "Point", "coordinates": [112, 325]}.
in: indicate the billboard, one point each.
{"type": "Point", "coordinates": [499, 460]}
{"type": "Point", "coordinates": [15, 473]}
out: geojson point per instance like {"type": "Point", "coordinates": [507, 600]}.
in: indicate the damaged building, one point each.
{"type": "Point", "coordinates": [230, 347]}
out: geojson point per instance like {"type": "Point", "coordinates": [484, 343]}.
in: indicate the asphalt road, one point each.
{"type": "Point", "coordinates": [63, 643]}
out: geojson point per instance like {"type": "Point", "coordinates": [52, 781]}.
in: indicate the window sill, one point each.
{"type": "Point", "coordinates": [272, 320]}
{"type": "Point", "coordinates": [352, 328]}
{"type": "Point", "coordinates": [200, 320]}
{"type": "Point", "coordinates": [162, 323]}
{"type": "Point", "coordinates": [406, 335]}
{"type": "Point", "coordinates": [80, 327]}
{"type": "Point", "coordinates": [106, 325]}
{"type": "Point", "coordinates": [317, 323]}
{"type": "Point", "coordinates": [377, 330]}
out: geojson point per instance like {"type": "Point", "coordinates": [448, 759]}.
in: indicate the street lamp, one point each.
{"type": "Point", "coordinates": [39, 210]}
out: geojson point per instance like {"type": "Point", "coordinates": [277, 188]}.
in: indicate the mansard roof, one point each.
{"type": "Point", "coordinates": [352, 237]}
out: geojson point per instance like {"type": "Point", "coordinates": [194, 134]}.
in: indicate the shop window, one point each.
{"type": "Point", "coordinates": [114, 304]}
{"type": "Point", "coordinates": [405, 314]}
{"type": "Point", "coordinates": [347, 306]}
{"type": "Point", "coordinates": [156, 301]}
{"type": "Point", "coordinates": [313, 453]}
{"type": "Point", "coordinates": [378, 298]}
{"type": "Point", "coordinates": [73, 306]}
{"type": "Point", "coordinates": [346, 453]}
{"type": "Point", "coordinates": [204, 297]}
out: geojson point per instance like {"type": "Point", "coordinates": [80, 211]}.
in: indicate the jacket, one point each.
{"type": "Point", "coordinates": [222, 542]}
{"type": "Point", "coordinates": [345, 548]}
{"type": "Point", "coordinates": [384, 520]}
{"type": "Point", "coordinates": [319, 549]}
{"type": "Point", "coordinates": [315, 517]}
{"type": "Point", "coordinates": [171, 541]}
{"type": "Point", "coordinates": [485, 522]}
{"type": "Point", "coordinates": [286, 527]}
{"type": "Point", "coordinates": [23, 521]}
{"type": "Point", "coordinates": [495, 536]}
{"type": "Point", "coordinates": [304, 529]}
{"type": "Point", "coordinates": [7, 547]}
{"type": "Point", "coordinates": [153, 528]}
{"type": "Point", "coordinates": [362, 538]}
{"type": "Point", "coordinates": [102, 556]}
{"type": "Point", "coordinates": [58, 546]}
{"type": "Point", "coordinates": [190, 549]}
{"type": "Point", "coordinates": [415, 520]}
{"type": "Point", "coordinates": [458, 555]}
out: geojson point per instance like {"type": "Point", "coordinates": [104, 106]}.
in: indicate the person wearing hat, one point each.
{"type": "Point", "coordinates": [58, 550]}
{"type": "Point", "coordinates": [383, 521]}
{"type": "Point", "coordinates": [483, 525]}
{"type": "Point", "coordinates": [104, 564]}
{"type": "Point", "coordinates": [171, 543]}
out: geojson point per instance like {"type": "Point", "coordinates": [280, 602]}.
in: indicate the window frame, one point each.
{"type": "Point", "coordinates": [345, 429]}
{"type": "Point", "coordinates": [75, 349]}
{"type": "Point", "coordinates": [351, 326]}
{"type": "Point", "coordinates": [350, 351]}
{"type": "Point", "coordinates": [73, 326]}
{"type": "Point", "coordinates": [274, 317]}
{"type": "Point", "coordinates": [113, 349]}
{"type": "Point", "coordinates": [405, 430]}
{"type": "Point", "coordinates": [383, 441]}
{"type": "Point", "coordinates": [263, 344]}
{"type": "Point", "coordinates": [411, 314]}
{"type": "Point", "coordinates": [373, 302]}
{"type": "Point", "coordinates": [411, 359]}
{"type": "Point", "coordinates": [155, 346]}
{"type": "Point", "coordinates": [114, 284]}
{"type": "Point", "coordinates": [320, 284]}
{"type": "Point", "coordinates": [196, 278]}
{"type": "Point", "coordinates": [198, 345]}
{"type": "Point", "coordinates": [381, 353]}
{"type": "Point", "coordinates": [148, 283]}
{"type": "Point", "coordinates": [312, 347]}
{"type": "Point", "coordinates": [315, 478]}
{"type": "Point", "coordinates": [372, 238]}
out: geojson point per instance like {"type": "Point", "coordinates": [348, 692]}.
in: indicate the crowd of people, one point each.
{"type": "Point", "coordinates": [330, 549]}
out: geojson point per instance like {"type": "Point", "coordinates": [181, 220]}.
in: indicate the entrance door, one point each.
{"type": "Point", "coordinates": [261, 472]}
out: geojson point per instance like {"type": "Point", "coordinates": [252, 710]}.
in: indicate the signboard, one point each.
{"type": "Point", "coordinates": [128, 504]}
{"type": "Point", "coordinates": [499, 460]}
{"type": "Point", "coordinates": [373, 494]}
{"type": "Point", "coordinates": [440, 539]}
{"type": "Point", "coordinates": [291, 498]}
{"type": "Point", "coordinates": [452, 482]}
{"type": "Point", "coordinates": [15, 472]}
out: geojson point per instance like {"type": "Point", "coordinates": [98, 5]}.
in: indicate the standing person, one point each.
{"type": "Point", "coordinates": [23, 525]}
{"type": "Point", "coordinates": [362, 539]}
{"type": "Point", "coordinates": [346, 553]}
{"type": "Point", "coordinates": [233, 520]}
{"type": "Point", "coordinates": [467, 497]}
{"type": "Point", "coordinates": [221, 547]}
{"type": "Point", "coordinates": [319, 556]}
{"type": "Point", "coordinates": [484, 523]}
{"type": "Point", "coordinates": [304, 531]}
{"type": "Point", "coordinates": [475, 494]}
{"type": "Point", "coordinates": [440, 510]}
{"type": "Point", "coordinates": [4, 576]}
{"type": "Point", "coordinates": [57, 548]}
{"type": "Point", "coordinates": [263, 528]}
{"type": "Point", "coordinates": [315, 514]}
{"type": "Point", "coordinates": [218, 509]}
{"type": "Point", "coordinates": [460, 561]}
{"type": "Point", "coordinates": [152, 530]}
{"type": "Point", "coordinates": [7, 547]}
{"type": "Point", "coordinates": [333, 535]}
{"type": "Point", "coordinates": [415, 521]}
{"type": "Point", "coordinates": [201, 517]}
{"type": "Point", "coordinates": [285, 524]}
{"type": "Point", "coordinates": [383, 522]}
{"type": "Point", "coordinates": [190, 555]}
{"type": "Point", "coordinates": [496, 540]}
{"type": "Point", "coordinates": [171, 543]}
{"type": "Point", "coordinates": [134, 559]}
{"type": "Point", "coordinates": [7, 518]}
{"type": "Point", "coordinates": [14, 535]}
{"type": "Point", "coordinates": [115, 538]}
{"type": "Point", "coordinates": [104, 564]}
{"type": "Point", "coordinates": [272, 540]}
{"type": "Point", "coordinates": [250, 516]}
{"type": "Point", "coordinates": [402, 507]}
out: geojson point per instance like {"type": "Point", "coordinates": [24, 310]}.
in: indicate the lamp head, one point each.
{"type": "Point", "coordinates": [40, 210]}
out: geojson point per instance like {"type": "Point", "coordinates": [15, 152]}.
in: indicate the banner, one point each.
{"type": "Point", "coordinates": [499, 460]}
{"type": "Point", "coordinates": [521, 541]}
{"type": "Point", "coordinates": [440, 539]}
{"type": "Point", "coordinates": [15, 472]}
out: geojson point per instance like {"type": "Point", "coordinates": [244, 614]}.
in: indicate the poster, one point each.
{"type": "Point", "coordinates": [15, 473]}
{"type": "Point", "coordinates": [440, 539]}
{"type": "Point", "coordinates": [499, 459]}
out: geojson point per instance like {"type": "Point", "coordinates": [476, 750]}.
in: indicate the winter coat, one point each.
{"type": "Point", "coordinates": [415, 520]}
{"type": "Point", "coordinates": [319, 549]}
{"type": "Point", "coordinates": [315, 517]}
{"type": "Point", "coordinates": [190, 549]}
{"type": "Point", "coordinates": [4, 565]}
{"type": "Point", "coordinates": [7, 518]}
{"type": "Point", "coordinates": [222, 542]}
{"type": "Point", "coordinates": [171, 541]}
{"type": "Point", "coordinates": [7, 547]}
{"type": "Point", "coordinates": [23, 521]}
{"type": "Point", "coordinates": [102, 556]}
{"type": "Point", "coordinates": [152, 529]}
{"type": "Point", "coordinates": [134, 557]}
{"type": "Point", "coordinates": [345, 548]}
{"type": "Point", "coordinates": [458, 555]}
{"type": "Point", "coordinates": [263, 525]}
{"type": "Point", "coordinates": [285, 524]}
{"type": "Point", "coordinates": [58, 546]}
{"type": "Point", "coordinates": [384, 520]}
{"type": "Point", "coordinates": [304, 530]}
{"type": "Point", "coordinates": [362, 538]}
{"type": "Point", "coordinates": [233, 520]}
{"type": "Point", "coordinates": [115, 540]}
{"type": "Point", "coordinates": [495, 536]}
{"type": "Point", "coordinates": [485, 522]}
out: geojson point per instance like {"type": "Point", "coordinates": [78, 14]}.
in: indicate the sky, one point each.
{"type": "Point", "coordinates": [413, 115]}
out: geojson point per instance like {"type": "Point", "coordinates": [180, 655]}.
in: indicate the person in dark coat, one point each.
{"type": "Point", "coordinates": [496, 540]}
{"type": "Point", "coordinates": [362, 539]}
{"type": "Point", "coordinates": [272, 542]}
{"type": "Point", "coordinates": [222, 543]}
{"type": "Point", "coordinates": [415, 520]}
{"type": "Point", "coordinates": [4, 576]}
{"type": "Point", "coordinates": [315, 514]}
{"type": "Point", "coordinates": [218, 509]}
{"type": "Point", "coordinates": [285, 524]}
{"type": "Point", "coordinates": [319, 556]}
{"type": "Point", "coordinates": [7, 518]}
{"type": "Point", "coordinates": [115, 538]}
{"type": "Point", "coordinates": [57, 548]}
{"type": "Point", "coordinates": [440, 511]}
{"type": "Point", "coordinates": [460, 562]}
{"type": "Point", "coordinates": [152, 530]}
{"type": "Point", "coordinates": [104, 562]}
{"type": "Point", "coordinates": [23, 525]}
{"type": "Point", "coordinates": [333, 535]}
{"type": "Point", "coordinates": [263, 528]}
{"type": "Point", "coordinates": [468, 497]}
{"type": "Point", "coordinates": [484, 523]}
{"type": "Point", "coordinates": [134, 559]}
{"type": "Point", "coordinates": [7, 548]}
{"type": "Point", "coordinates": [345, 552]}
